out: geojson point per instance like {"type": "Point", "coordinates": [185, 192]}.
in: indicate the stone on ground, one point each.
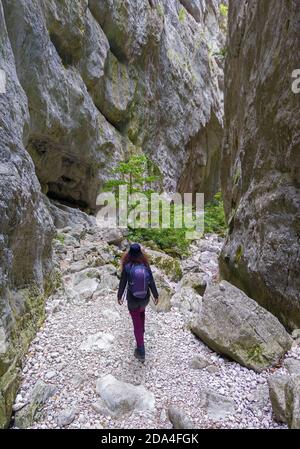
{"type": "Point", "coordinates": [187, 300]}
{"type": "Point", "coordinates": [179, 419]}
{"type": "Point", "coordinates": [98, 342]}
{"type": "Point", "coordinates": [86, 288]}
{"type": "Point", "coordinates": [66, 417]}
{"type": "Point", "coordinates": [277, 385]}
{"type": "Point", "coordinates": [292, 366]}
{"type": "Point", "coordinates": [200, 362]}
{"type": "Point", "coordinates": [196, 281]}
{"type": "Point", "coordinates": [167, 264]}
{"type": "Point", "coordinates": [165, 291]}
{"type": "Point", "coordinates": [216, 406]}
{"type": "Point", "coordinates": [292, 395]}
{"type": "Point", "coordinates": [233, 324]}
{"type": "Point", "coordinates": [124, 397]}
{"type": "Point", "coordinates": [37, 398]}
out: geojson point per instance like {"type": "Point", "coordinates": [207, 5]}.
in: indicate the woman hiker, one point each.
{"type": "Point", "coordinates": [137, 273]}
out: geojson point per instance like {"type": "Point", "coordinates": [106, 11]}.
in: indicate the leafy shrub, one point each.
{"type": "Point", "coordinates": [141, 175]}
{"type": "Point", "coordinates": [214, 217]}
{"type": "Point", "coordinates": [223, 10]}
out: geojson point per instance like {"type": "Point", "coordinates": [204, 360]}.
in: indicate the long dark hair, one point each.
{"type": "Point", "coordinates": [137, 256]}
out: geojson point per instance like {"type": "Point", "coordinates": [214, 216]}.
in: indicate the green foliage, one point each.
{"type": "Point", "coordinates": [60, 238]}
{"type": "Point", "coordinates": [237, 175]}
{"type": "Point", "coordinates": [255, 354]}
{"type": "Point", "coordinates": [221, 53]}
{"type": "Point", "coordinates": [239, 253]}
{"type": "Point", "coordinates": [172, 241]}
{"type": "Point", "coordinates": [138, 173]}
{"type": "Point", "coordinates": [214, 217]}
{"type": "Point", "coordinates": [182, 14]}
{"type": "Point", "coordinates": [223, 10]}
{"type": "Point", "coordinates": [160, 10]}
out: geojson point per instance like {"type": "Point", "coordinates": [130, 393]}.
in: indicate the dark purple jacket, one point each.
{"type": "Point", "coordinates": [133, 303]}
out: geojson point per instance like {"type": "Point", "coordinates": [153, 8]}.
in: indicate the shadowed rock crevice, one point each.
{"type": "Point", "coordinates": [62, 49]}
{"type": "Point", "coordinates": [62, 175]}
{"type": "Point", "coordinates": [201, 169]}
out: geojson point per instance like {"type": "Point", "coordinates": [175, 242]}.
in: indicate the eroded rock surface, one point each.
{"type": "Point", "coordinates": [26, 231]}
{"type": "Point", "coordinates": [261, 156]}
{"type": "Point", "coordinates": [235, 325]}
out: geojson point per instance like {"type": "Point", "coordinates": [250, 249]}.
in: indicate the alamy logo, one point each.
{"type": "Point", "coordinates": [164, 211]}
{"type": "Point", "coordinates": [296, 82]}
{"type": "Point", "coordinates": [2, 82]}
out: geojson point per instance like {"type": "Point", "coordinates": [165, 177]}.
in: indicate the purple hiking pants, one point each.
{"type": "Point", "coordinates": [138, 319]}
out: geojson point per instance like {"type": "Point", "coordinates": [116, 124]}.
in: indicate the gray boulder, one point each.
{"type": "Point", "coordinates": [66, 417]}
{"type": "Point", "coordinates": [165, 291]}
{"type": "Point", "coordinates": [285, 398]}
{"type": "Point", "coordinates": [187, 301]}
{"type": "Point", "coordinates": [98, 342]}
{"type": "Point", "coordinates": [179, 419]}
{"type": "Point", "coordinates": [215, 405]}
{"type": "Point", "coordinates": [292, 395]}
{"type": "Point", "coordinates": [277, 385]}
{"type": "Point", "coordinates": [123, 397]}
{"type": "Point", "coordinates": [38, 396]}
{"type": "Point", "coordinates": [197, 281]}
{"type": "Point", "coordinates": [233, 324]}
{"type": "Point", "coordinates": [292, 366]}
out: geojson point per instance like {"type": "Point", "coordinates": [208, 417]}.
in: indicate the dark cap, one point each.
{"type": "Point", "coordinates": [135, 249]}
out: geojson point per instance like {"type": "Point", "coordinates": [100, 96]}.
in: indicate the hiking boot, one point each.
{"type": "Point", "coordinates": [139, 353]}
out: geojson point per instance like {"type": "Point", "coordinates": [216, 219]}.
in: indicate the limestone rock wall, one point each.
{"type": "Point", "coordinates": [106, 78]}
{"type": "Point", "coordinates": [26, 231]}
{"type": "Point", "coordinates": [261, 155]}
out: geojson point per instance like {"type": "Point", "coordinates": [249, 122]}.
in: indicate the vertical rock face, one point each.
{"type": "Point", "coordinates": [25, 232]}
{"type": "Point", "coordinates": [261, 155]}
{"type": "Point", "coordinates": [104, 79]}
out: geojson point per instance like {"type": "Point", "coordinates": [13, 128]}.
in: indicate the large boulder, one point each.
{"type": "Point", "coordinates": [260, 187]}
{"type": "Point", "coordinates": [277, 384]}
{"type": "Point", "coordinates": [167, 264]}
{"type": "Point", "coordinates": [233, 324]}
{"type": "Point", "coordinates": [197, 281]}
{"type": "Point", "coordinates": [165, 291]}
{"type": "Point", "coordinates": [122, 397]}
{"type": "Point", "coordinates": [292, 395]}
{"type": "Point", "coordinates": [285, 397]}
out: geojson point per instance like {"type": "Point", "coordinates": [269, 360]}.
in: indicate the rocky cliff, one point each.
{"type": "Point", "coordinates": [261, 155]}
{"type": "Point", "coordinates": [89, 82]}
{"type": "Point", "coordinates": [26, 231]}
{"type": "Point", "coordinates": [105, 78]}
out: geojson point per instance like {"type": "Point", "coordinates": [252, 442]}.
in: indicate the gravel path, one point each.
{"type": "Point", "coordinates": [55, 357]}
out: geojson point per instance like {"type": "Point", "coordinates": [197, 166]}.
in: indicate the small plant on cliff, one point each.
{"type": "Point", "coordinates": [214, 217]}
{"type": "Point", "coordinates": [60, 238]}
{"type": "Point", "coordinates": [223, 10]}
{"type": "Point", "coordinates": [222, 53]}
{"type": "Point", "coordinates": [182, 14]}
